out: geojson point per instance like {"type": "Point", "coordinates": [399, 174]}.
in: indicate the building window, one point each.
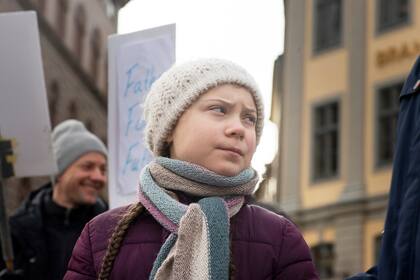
{"type": "Point", "coordinates": [95, 45]}
{"type": "Point", "coordinates": [89, 125]}
{"type": "Point", "coordinates": [61, 14]}
{"type": "Point", "coordinates": [54, 96]}
{"type": "Point", "coordinates": [323, 255]}
{"type": "Point", "coordinates": [392, 13]}
{"type": "Point", "coordinates": [104, 140]}
{"type": "Point", "coordinates": [80, 21]}
{"type": "Point", "coordinates": [41, 6]}
{"type": "Point", "coordinates": [327, 24]}
{"type": "Point", "coordinates": [326, 141]}
{"type": "Point", "coordinates": [387, 116]}
{"type": "Point", "coordinates": [73, 110]}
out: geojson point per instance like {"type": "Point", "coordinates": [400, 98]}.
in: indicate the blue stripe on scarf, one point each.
{"type": "Point", "coordinates": [163, 253]}
{"type": "Point", "coordinates": [218, 226]}
{"type": "Point", "coordinates": [171, 208]}
{"type": "Point", "coordinates": [199, 174]}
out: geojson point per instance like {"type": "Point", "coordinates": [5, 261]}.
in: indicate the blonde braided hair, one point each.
{"type": "Point", "coordinates": [116, 239]}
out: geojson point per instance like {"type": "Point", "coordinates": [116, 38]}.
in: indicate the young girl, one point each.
{"type": "Point", "coordinates": [192, 221]}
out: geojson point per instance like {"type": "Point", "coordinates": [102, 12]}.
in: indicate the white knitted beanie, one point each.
{"type": "Point", "coordinates": [182, 85]}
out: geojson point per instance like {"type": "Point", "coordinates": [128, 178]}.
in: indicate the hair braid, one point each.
{"type": "Point", "coordinates": [116, 239]}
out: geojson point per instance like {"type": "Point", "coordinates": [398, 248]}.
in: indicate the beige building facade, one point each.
{"type": "Point", "coordinates": [335, 100]}
{"type": "Point", "coordinates": [73, 37]}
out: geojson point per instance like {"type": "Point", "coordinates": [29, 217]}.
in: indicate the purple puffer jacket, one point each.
{"type": "Point", "coordinates": [265, 246]}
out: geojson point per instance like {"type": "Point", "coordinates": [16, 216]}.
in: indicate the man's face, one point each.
{"type": "Point", "coordinates": [82, 181]}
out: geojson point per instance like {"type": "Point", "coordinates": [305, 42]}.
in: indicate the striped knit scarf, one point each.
{"type": "Point", "coordinates": [198, 246]}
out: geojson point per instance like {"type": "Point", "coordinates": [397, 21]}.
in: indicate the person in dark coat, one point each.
{"type": "Point", "coordinates": [46, 226]}
{"type": "Point", "coordinates": [193, 221]}
{"type": "Point", "coordinates": [400, 250]}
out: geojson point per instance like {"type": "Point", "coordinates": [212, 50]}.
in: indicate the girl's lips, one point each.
{"type": "Point", "coordinates": [232, 149]}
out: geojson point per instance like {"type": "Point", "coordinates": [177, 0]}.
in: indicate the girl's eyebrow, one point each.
{"type": "Point", "coordinates": [229, 103]}
{"type": "Point", "coordinates": [249, 110]}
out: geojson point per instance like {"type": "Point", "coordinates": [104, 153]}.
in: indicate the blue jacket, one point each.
{"type": "Point", "coordinates": [400, 251]}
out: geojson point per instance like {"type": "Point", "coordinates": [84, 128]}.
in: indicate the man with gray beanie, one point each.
{"type": "Point", "coordinates": [46, 226]}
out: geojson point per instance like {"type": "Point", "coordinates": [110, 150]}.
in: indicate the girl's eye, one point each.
{"type": "Point", "coordinates": [218, 109]}
{"type": "Point", "coordinates": [251, 119]}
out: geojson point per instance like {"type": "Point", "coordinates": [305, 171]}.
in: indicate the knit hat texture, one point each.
{"type": "Point", "coordinates": [71, 140]}
{"type": "Point", "coordinates": [182, 85]}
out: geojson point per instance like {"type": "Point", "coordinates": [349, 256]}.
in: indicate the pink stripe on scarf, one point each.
{"type": "Point", "coordinates": [159, 216]}
{"type": "Point", "coordinates": [234, 201]}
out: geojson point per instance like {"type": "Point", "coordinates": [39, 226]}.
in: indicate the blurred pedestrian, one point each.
{"type": "Point", "coordinates": [46, 226]}
{"type": "Point", "coordinates": [203, 122]}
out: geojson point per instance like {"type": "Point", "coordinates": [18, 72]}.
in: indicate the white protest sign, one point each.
{"type": "Point", "coordinates": [24, 116]}
{"type": "Point", "coordinates": [136, 60]}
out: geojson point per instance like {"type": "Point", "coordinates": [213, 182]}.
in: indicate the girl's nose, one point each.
{"type": "Point", "coordinates": [236, 129]}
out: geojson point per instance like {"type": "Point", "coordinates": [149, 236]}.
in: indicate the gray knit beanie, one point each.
{"type": "Point", "coordinates": [182, 85]}
{"type": "Point", "coordinates": [71, 140]}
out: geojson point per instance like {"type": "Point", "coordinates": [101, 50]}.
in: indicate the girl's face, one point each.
{"type": "Point", "coordinates": [217, 131]}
